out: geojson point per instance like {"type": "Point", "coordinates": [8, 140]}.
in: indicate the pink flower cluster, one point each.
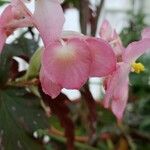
{"type": "Point", "coordinates": [69, 60]}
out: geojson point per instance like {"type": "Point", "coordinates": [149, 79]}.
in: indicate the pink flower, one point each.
{"type": "Point", "coordinates": [69, 63]}
{"type": "Point", "coordinates": [117, 84]}
{"type": "Point", "coordinates": [66, 63]}
{"type": "Point", "coordinates": [48, 18]}
{"type": "Point", "coordinates": [13, 17]}
{"type": "Point", "coordinates": [110, 35]}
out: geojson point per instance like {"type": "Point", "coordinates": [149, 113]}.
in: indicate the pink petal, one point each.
{"type": "Point", "coordinates": [22, 17]}
{"type": "Point", "coordinates": [14, 17]}
{"type": "Point", "coordinates": [49, 87]}
{"type": "Point", "coordinates": [2, 40]}
{"type": "Point", "coordinates": [119, 99]}
{"type": "Point", "coordinates": [103, 57]}
{"type": "Point", "coordinates": [108, 84]}
{"type": "Point", "coordinates": [106, 31]}
{"type": "Point", "coordinates": [49, 19]}
{"type": "Point", "coordinates": [4, 19]}
{"type": "Point", "coordinates": [21, 23]}
{"type": "Point", "coordinates": [71, 34]}
{"type": "Point", "coordinates": [68, 64]}
{"type": "Point", "coordinates": [135, 50]}
{"type": "Point", "coordinates": [11, 19]}
{"type": "Point", "coordinates": [118, 49]}
{"type": "Point", "coordinates": [117, 45]}
{"type": "Point", "coordinates": [6, 16]}
{"type": "Point", "coordinates": [146, 33]}
{"type": "Point", "coordinates": [117, 78]}
{"type": "Point", "coordinates": [20, 9]}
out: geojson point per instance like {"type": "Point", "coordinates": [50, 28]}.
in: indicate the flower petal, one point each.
{"type": "Point", "coordinates": [135, 50]}
{"type": "Point", "coordinates": [22, 17]}
{"type": "Point", "coordinates": [48, 86]}
{"type": "Point", "coordinates": [6, 16]}
{"type": "Point", "coordinates": [49, 19]}
{"type": "Point", "coordinates": [116, 43]}
{"type": "Point", "coordinates": [103, 57]}
{"type": "Point", "coordinates": [14, 16]}
{"type": "Point", "coordinates": [116, 79]}
{"type": "Point", "coordinates": [2, 40]}
{"type": "Point", "coordinates": [71, 34]}
{"type": "Point", "coordinates": [68, 64]}
{"type": "Point", "coordinates": [119, 99]}
{"type": "Point", "coordinates": [11, 19]}
{"type": "Point", "coordinates": [146, 33]}
{"type": "Point", "coordinates": [106, 31]}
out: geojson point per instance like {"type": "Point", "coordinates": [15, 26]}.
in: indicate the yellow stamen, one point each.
{"type": "Point", "coordinates": [138, 67]}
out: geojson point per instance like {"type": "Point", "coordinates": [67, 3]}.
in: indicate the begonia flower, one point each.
{"type": "Point", "coordinates": [16, 15]}
{"type": "Point", "coordinates": [48, 18]}
{"type": "Point", "coordinates": [13, 17]}
{"type": "Point", "coordinates": [116, 85]}
{"type": "Point", "coordinates": [69, 63]}
{"type": "Point", "coordinates": [66, 63]}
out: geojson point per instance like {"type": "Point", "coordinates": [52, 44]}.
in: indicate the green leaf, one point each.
{"type": "Point", "coordinates": [144, 107]}
{"type": "Point", "coordinates": [21, 47]}
{"type": "Point", "coordinates": [20, 115]}
{"type": "Point", "coordinates": [145, 125]}
{"type": "Point", "coordinates": [34, 65]}
{"type": "Point", "coordinates": [2, 2]}
{"type": "Point", "coordinates": [25, 47]}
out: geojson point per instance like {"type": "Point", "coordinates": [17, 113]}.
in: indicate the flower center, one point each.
{"type": "Point", "coordinates": [138, 67]}
{"type": "Point", "coordinates": [65, 53]}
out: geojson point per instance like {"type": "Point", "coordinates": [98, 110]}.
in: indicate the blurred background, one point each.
{"type": "Point", "coordinates": [96, 128]}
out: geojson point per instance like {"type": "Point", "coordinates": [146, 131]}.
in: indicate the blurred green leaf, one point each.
{"type": "Point", "coordinates": [144, 107]}
{"type": "Point", "coordinates": [142, 145]}
{"type": "Point", "coordinates": [107, 117]}
{"type": "Point", "coordinates": [34, 65]}
{"type": "Point", "coordinates": [20, 115]}
{"type": "Point", "coordinates": [25, 47]}
{"type": "Point", "coordinates": [133, 31]}
{"type": "Point", "coordinates": [2, 2]}
{"type": "Point", "coordinates": [145, 125]}
{"type": "Point", "coordinates": [22, 47]}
